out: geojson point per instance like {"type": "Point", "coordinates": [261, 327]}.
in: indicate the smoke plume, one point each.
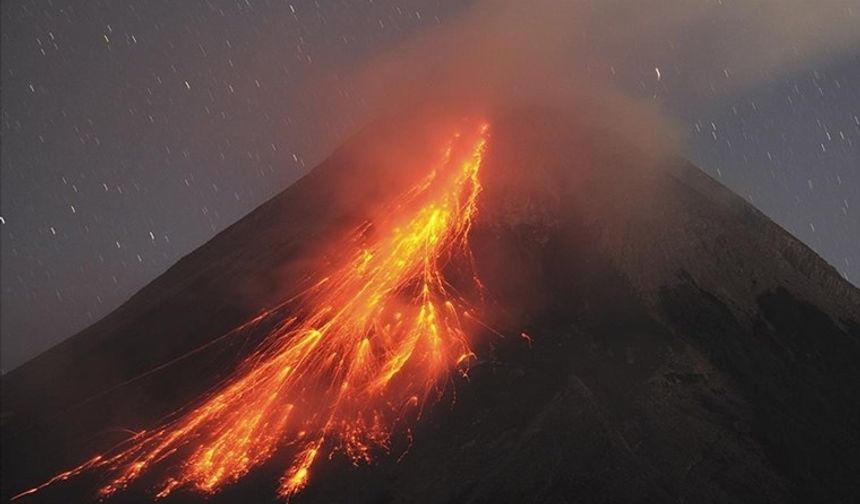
{"type": "Point", "coordinates": [619, 60]}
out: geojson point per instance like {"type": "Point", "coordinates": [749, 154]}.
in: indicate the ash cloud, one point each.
{"type": "Point", "coordinates": [612, 56]}
{"type": "Point", "coordinates": [717, 46]}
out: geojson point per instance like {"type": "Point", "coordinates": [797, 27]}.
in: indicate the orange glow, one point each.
{"type": "Point", "coordinates": [373, 340]}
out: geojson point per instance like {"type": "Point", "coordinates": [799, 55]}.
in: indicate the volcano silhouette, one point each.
{"type": "Point", "coordinates": [650, 337]}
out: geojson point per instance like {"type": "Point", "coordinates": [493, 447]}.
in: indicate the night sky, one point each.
{"type": "Point", "coordinates": [132, 132]}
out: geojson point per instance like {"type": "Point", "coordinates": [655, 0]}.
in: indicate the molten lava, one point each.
{"type": "Point", "coordinates": [372, 342]}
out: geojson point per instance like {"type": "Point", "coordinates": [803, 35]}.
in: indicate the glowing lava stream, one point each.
{"type": "Point", "coordinates": [377, 338]}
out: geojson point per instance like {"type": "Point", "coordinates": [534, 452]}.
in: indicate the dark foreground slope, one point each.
{"type": "Point", "coordinates": [685, 348]}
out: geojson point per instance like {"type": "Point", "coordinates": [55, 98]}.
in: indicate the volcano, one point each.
{"type": "Point", "coordinates": [585, 321]}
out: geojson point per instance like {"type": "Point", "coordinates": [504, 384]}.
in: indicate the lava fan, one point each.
{"type": "Point", "coordinates": [346, 363]}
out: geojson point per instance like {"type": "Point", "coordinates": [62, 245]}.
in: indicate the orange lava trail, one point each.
{"type": "Point", "coordinates": [376, 337]}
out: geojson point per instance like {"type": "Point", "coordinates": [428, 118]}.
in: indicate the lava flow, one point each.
{"type": "Point", "coordinates": [372, 342]}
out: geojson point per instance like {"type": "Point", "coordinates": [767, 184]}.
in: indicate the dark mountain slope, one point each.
{"type": "Point", "coordinates": [685, 348]}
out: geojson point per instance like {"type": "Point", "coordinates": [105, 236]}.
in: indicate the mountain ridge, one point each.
{"type": "Point", "coordinates": [685, 347]}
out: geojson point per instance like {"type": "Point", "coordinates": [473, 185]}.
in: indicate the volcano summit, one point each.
{"type": "Point", "coordinates": [511, 308]}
